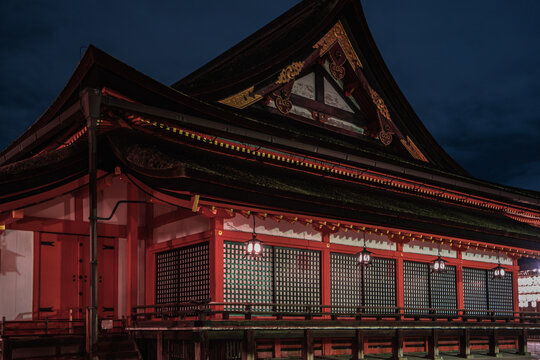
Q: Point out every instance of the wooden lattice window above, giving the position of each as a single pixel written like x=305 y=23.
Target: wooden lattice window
x=248 y=280
x=475 y=290
x=182 y=275
x=443 y=290
x=416 y=287
x=167 y=276
x=425 y=289
x=380 y=285
x=297 y=276
x=500 y=293
x=346 y=282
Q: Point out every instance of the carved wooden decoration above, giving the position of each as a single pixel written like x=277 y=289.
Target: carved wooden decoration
x=290 y=72
x=337 y=35
x=413 y=149
x=241 y=100
x=282 y=98
x=336 y=65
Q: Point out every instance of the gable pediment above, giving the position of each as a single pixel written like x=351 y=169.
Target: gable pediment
x=328 y=88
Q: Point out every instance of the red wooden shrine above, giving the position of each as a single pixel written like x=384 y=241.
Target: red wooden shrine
x=298 y=138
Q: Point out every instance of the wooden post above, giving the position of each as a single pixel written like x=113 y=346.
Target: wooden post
x=465 y=344
x=358 y=345
x=522 y=343
x=494 y=344
x=217 y=266
x=159 y=345
x=325 y=273
x=132 y=249
x=398 y=353
x=249 y=346
x=459 y=284
x=400 y=280
x=307 y=346
x=433 y=351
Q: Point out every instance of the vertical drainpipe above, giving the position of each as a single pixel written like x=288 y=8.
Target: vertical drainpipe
x=91 y=103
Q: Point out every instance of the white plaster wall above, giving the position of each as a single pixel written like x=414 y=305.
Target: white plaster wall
x=16 y=274
x=429 y=248
x=333 y=98
x=486 y=256
x=305 y=86
x=189 y=226
x=107 y=199
x=60 y=208
x=373 y=241
x=272 y=227
x=122 y=279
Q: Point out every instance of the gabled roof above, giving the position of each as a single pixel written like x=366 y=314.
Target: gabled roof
x=249 y=68
x=285 y=165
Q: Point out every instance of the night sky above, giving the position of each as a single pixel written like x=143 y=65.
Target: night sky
x=470 y=69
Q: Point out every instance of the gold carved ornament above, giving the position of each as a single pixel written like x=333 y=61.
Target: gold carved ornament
x=242 y=99
x=338 y=35
x=290 y=72
x=413 y=149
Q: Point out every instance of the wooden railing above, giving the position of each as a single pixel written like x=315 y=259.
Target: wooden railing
x=265 y=311
x=54 y=327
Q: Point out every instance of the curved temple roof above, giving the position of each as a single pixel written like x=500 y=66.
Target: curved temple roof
x=387 y=171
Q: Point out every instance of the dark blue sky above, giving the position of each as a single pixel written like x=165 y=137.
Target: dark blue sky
x=470 y=69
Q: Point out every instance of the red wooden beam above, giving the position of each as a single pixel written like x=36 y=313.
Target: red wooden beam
x=170 y=217
x=32 y=223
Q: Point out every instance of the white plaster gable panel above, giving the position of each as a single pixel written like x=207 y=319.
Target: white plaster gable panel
x=305 y=86
x=272 y=227
x=373 y=241
x=16 y=274
x=333 y=98
x=62 y=208
x=486 y=256
x=185 y=227
x=429 y=248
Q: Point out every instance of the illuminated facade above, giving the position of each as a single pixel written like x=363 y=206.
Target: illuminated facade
x=298 y=141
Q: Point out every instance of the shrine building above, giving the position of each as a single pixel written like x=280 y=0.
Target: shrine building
x=282 y=201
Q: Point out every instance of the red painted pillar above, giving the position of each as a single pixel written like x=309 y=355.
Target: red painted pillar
x=150 y=266
x=459 y=281
x=325 y=268
x=326 y=285
x=400 y=288
x=132 y=248
x=36 y=281
x=515 y=289
x=217 y=261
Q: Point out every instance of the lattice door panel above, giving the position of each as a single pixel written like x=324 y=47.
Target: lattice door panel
x=167 y=277
x=500 y=293
x=475 y=290
x=182 y=275
x=346 y=282
x=248 y=280
x=380 y=285
x=297 y=277
x=443 y=290
x=416 y=287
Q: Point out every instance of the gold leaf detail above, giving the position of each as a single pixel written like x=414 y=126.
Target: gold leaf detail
x=338 y=34
x=413 y=149
x=290 y=72
x=241 y=100
x=379 y=103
